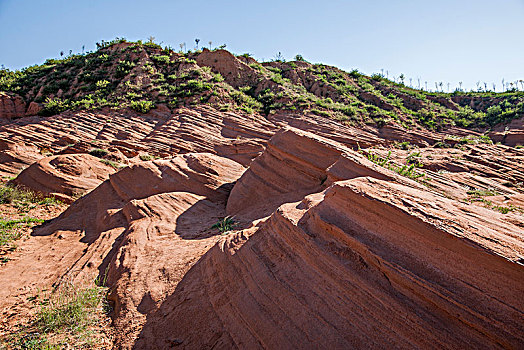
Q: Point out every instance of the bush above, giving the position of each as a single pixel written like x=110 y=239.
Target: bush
x=161 y=59
x=145 y=157
x=142 y=106
x=53 y=106
x=98 y=152
x=299 y=58
x=11 y=194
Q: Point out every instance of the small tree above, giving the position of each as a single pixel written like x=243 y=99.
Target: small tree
x=299 y=58
x=279 y=57
x=197 y=41
x=210 y=43
x=61 y=53
x=151 y=39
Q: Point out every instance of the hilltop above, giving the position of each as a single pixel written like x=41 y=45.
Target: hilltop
x=140 y=76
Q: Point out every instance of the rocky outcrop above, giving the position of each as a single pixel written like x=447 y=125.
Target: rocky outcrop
x=367 y=264
x=66 y=177
x=297 y=163
x=510 y=134
x=141 y=230
x=235 y=71
x=329 y=248
x=181 y=131
x=11 y=106
x=33 y=109
x=15 y=156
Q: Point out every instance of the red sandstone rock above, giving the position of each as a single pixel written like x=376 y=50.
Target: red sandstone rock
x=65 y=177
x=11 y=106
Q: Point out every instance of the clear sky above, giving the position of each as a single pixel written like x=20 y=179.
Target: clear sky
x=447 y=40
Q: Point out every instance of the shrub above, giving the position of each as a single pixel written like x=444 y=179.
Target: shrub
x=300 y=58
x=101 y=84
x=53 y=106
x=10 y=194
x=98 y=152
x=161 y=59
x=111 y=163
x=123 y=68
x=142 y=106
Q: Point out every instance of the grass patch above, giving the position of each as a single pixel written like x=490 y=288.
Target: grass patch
x=407 y=170
x=68 y=318
x=482 y=193
x=145 y=157
x=22 y=199
x=500 y=208
x=111 y=163
x=9 y=232
x=12 y=194
x=225 y=225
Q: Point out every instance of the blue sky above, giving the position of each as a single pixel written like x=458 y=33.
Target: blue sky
x=448 y=41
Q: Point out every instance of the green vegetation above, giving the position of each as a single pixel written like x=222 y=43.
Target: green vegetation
x=71 y=315
x=225 y=225
x=98 y=152
x=145 y=157
x=8 y=229
x=476 y=195
x=482 y=193
x=142 y=106
x=407 y=170
x=10 y=194
x=143 y=75
x=22 y=199
x=111 y=163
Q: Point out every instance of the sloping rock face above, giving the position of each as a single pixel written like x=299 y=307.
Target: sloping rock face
x=15 y=156
x=65 y=177
x=331 y=250
x=511 y=134
x=161 y=134
x=140 y=231
x=297 y=163
x=366 y=264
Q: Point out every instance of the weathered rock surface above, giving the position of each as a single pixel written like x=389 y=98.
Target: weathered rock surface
x=183 y=131
x=295 y=163
x=331 y=249
x=141 y=230
x=65 y=177
x=11 y=106
x=367 y=264
x=511 y=134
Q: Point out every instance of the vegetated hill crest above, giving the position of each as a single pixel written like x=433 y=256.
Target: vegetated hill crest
x=141 y=76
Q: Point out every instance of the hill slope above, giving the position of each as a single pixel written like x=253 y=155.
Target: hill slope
x=141 y=75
